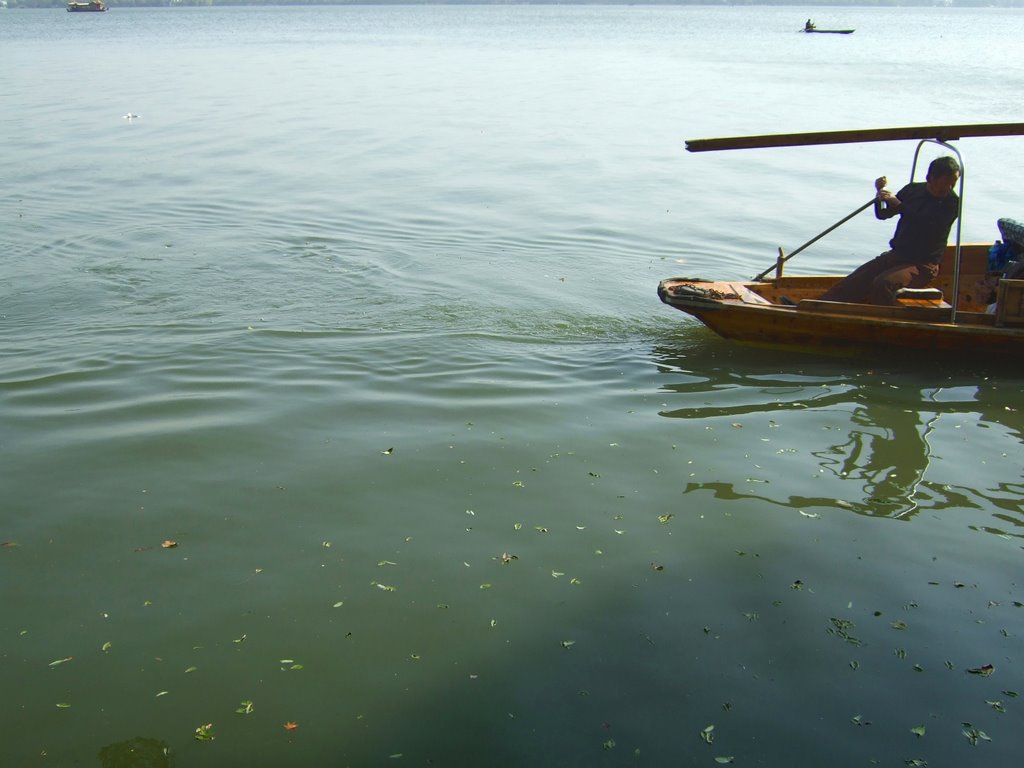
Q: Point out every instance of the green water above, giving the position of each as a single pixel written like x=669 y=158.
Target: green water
x=335 y=390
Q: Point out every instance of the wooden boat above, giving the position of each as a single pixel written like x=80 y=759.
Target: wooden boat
x=95 y=6
x=954 y=315
x=815 y=30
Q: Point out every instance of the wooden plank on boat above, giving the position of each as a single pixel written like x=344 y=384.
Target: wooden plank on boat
x=940 y=132
x=874 y=311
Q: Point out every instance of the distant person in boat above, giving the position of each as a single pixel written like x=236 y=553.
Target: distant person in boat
x=809 y=26
x=927 y=210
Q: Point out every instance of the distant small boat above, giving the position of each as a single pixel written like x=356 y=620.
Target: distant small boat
x=95 y=6
x=828 y=31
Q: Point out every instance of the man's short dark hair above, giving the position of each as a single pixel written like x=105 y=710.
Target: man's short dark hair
x=943 y=166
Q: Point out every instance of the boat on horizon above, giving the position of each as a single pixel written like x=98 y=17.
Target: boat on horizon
x=967 y=310
x=93 y=6
x=810 y=27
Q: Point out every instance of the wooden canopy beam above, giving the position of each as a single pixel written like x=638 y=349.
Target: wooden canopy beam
x=940 y=132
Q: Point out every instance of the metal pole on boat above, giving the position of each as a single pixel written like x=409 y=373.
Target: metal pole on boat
x=778 y=264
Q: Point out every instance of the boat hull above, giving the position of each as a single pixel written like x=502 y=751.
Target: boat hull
x=787 y=312
x=842 y=334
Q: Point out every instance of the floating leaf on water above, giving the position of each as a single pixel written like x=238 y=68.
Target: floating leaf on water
x=708 y=734
x=568 y=643
x=898 y=625
x=854 y=665
x=901 y=653
x=540 y=528
x=382 y=563
x=290 y=726
x=556 y=574
x=162 y=693
x=295 y=666
x=752 y=616
x=58 y=662
x=442 y=605
x=727 y=706
x=593 y=474
x=916 y=763
x=918 y=731
x=106 y=646
x=1011 y=694
x=506 y=558
x=326 y=544
x=841 y=628
x=974 y=735
x=168 y=544
x=287 y=661
x=494 y=622
x=657 y=567
x=517 y=526
x=518 y=483
x=665 y=518
x=985 y=670
x=918 y=668
x=395 y=756
x=610 y=744
x=619 y=532
x=724 y=760
x=386 y=587
x=996 y=705
x=415 y=656
x=485 y=585
x=191 y=669
x=338 y=604
x=63 y=705
x=388 y=452
x=574 y=580
x=204 y=732
x=245 y=708
x=812 y=515
x=147 y=603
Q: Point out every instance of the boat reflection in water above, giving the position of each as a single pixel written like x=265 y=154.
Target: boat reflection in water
x=879 y=444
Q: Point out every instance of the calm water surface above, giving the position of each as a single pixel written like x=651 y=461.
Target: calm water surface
x=359 y=312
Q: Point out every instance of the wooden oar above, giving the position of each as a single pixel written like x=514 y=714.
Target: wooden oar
x=783 y=259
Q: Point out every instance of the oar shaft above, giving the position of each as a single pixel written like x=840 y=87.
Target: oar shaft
x=816 y=238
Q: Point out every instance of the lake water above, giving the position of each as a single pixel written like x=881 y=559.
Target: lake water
x=359 y=312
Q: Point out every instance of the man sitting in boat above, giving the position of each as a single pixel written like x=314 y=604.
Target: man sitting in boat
x=927 y=211
x=809 y=26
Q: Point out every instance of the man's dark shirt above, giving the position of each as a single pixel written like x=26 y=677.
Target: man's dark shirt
x=923 y=229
